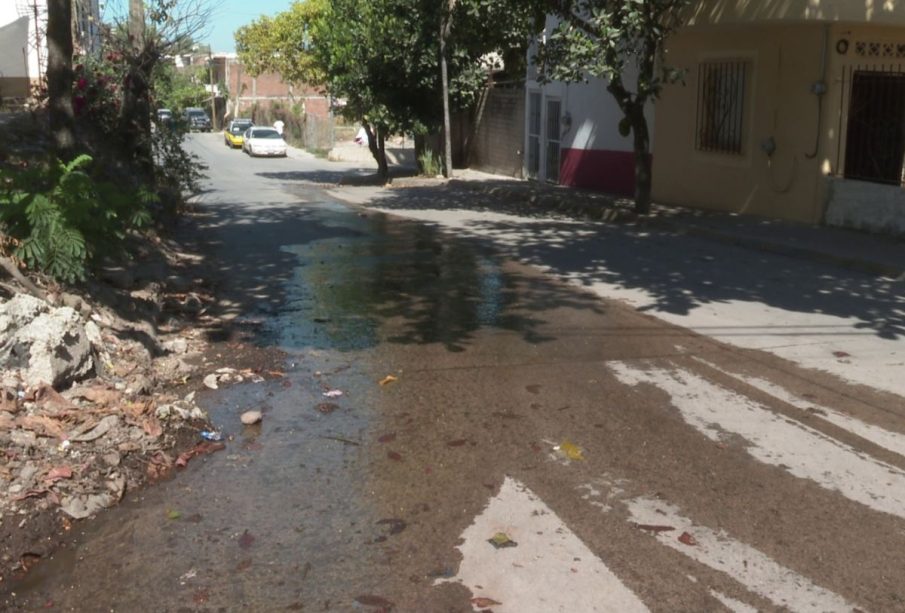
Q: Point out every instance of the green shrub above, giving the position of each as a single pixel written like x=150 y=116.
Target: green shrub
x=429 y=163
x=59 y=218
x=176 y=169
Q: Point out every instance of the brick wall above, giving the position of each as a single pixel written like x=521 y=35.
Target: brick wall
x=266 y=89
x=497 y=139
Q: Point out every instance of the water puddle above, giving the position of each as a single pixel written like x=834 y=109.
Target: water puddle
x=288 y=515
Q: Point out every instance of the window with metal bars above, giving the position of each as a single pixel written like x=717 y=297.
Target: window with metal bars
x=721 y=106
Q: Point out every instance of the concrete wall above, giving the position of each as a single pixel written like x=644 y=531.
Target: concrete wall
x=783 y=62
x=594 y=155
x=246 y=91
x=30 y=55
x=497 y=142
x=14 y=81
x=866 y=206
x=15 y=87
x=11 y=10
x=722 y=12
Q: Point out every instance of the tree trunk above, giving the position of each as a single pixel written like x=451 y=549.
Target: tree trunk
x=383 y=168
x=377 y=146
x=136 y=111
x=445 y=26
x=59 y=75
x=643 y=174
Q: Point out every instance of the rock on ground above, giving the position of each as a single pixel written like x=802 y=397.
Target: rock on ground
x=46 y=344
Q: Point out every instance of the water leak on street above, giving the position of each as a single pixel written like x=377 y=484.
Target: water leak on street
x=287 y=516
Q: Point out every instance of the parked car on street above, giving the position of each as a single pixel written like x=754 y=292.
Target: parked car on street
x=197 y=119
x=263 y=141
x=234 y=134
x=164 y=116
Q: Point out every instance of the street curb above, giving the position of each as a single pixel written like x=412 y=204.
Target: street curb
x=859 y=265
x=546 y=199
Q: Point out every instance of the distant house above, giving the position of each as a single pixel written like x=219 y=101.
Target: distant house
x=792 y=109
x=23 y=42
x=247 y=92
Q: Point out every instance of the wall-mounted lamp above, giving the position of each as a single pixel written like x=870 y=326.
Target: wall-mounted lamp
x=566 y=121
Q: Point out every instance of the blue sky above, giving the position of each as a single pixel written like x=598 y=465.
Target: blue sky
x=229 y=15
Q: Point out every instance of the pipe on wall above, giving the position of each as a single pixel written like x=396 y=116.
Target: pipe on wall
x=818 y=88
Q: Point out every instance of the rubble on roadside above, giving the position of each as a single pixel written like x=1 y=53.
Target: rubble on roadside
x=83 y=414
x=97 y=391
x=42 y=344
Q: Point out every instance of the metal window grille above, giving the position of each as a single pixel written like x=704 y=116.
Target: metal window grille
x=721 y=106
x=873 y=105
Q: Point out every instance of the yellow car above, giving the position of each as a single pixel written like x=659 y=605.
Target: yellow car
x=233 y=134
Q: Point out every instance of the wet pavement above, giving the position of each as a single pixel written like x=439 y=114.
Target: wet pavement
x=702 y=478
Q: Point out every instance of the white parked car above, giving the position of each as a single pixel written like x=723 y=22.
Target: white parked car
x=263 y=141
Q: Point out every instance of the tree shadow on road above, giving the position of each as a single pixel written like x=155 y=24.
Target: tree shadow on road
x=349 y=175
x=667 y=272
x=324 y=275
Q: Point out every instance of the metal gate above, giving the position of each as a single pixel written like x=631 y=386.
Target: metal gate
x=875 y=125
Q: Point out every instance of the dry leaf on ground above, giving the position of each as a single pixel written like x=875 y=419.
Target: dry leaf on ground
x=42 y=425
x=56 y=473
x=484 y=602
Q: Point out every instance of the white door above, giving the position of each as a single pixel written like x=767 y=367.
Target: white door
x=533 y=158
x=552 y=137
x=543 y=138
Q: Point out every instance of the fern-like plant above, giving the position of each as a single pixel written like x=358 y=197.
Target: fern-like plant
x=60 y=217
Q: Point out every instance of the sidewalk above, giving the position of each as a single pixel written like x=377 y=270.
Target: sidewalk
x=860 y=251
x=822 y=298
x=872 y=254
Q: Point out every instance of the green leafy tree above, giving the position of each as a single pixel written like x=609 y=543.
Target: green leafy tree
x=382 y=59
x=474 y=28
x=178 y=89
x=609 y=39
x=140 y=38
x=282 y=44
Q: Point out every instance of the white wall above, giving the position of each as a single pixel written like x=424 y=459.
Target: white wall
x=866 y=206
x=10 y=10
x=13 y=42
x=593 y=111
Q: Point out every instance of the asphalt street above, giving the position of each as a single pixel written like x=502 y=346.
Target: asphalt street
x=503 y=439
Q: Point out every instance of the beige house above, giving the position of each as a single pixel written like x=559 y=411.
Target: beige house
x=791 y=108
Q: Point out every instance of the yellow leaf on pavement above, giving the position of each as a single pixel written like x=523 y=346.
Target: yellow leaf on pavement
x=571 y=451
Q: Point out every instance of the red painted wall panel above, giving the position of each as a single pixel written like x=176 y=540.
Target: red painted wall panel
x=605 y=171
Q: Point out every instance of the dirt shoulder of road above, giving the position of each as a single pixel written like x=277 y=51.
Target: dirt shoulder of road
x=69 y=451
